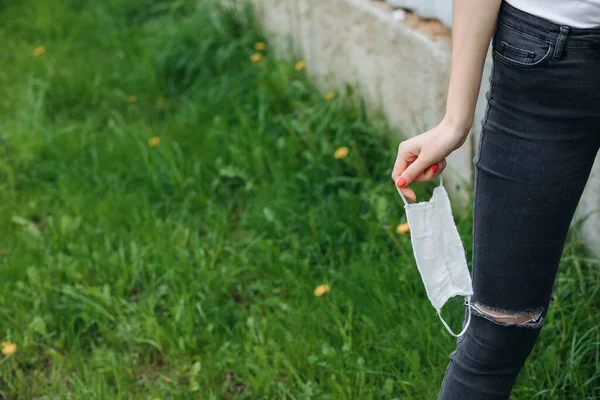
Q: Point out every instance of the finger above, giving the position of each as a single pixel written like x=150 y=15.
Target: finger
x=414 y=170
x=427 y=174
x=406 y=155
x=399 y=167
x=442 y=167
x=409 y=193
x=431 y=172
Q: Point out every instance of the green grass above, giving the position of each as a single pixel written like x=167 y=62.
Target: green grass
x=187 y=270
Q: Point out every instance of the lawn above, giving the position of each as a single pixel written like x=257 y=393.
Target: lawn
x=171 y=196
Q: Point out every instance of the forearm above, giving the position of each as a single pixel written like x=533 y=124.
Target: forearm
x=473 y=23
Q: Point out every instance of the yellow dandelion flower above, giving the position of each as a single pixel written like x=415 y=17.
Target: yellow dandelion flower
x=329 y=96
x=256 y=57
x=402 y=228
x=154 y=141
x=340 y=153
x=132 y=99
x=259 y=46
x=300 y=65
x=8 y=348
x=38 y=51
x=321 y=290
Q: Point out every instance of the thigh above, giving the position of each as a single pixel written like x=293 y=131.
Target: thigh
x=538 y=145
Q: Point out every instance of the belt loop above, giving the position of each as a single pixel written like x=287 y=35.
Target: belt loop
x=560 y=42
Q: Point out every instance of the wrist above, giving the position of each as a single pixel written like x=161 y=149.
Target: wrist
x=458 y=127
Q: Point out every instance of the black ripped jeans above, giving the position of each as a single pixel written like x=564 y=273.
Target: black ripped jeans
x=539 y=139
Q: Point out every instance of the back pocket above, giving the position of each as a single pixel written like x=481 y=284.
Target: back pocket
x=519 y=49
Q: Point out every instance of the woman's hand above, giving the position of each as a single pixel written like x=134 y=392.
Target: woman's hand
x=423 y=157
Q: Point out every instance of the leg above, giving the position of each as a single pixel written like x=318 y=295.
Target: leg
x=537 y=148
x=524 y=204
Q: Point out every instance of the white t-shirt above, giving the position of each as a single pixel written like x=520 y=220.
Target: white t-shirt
x=575 y=13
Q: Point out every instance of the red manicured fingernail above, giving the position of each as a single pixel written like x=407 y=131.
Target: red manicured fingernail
x=435 y=168
x=401 y=182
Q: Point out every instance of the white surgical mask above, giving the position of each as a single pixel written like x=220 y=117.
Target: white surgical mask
x=438 y=251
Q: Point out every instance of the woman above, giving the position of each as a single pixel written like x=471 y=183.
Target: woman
x=539 y=139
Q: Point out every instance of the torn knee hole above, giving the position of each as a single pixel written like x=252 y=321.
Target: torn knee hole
x=528 y=318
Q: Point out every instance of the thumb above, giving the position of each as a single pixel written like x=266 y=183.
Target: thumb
x=415 y=169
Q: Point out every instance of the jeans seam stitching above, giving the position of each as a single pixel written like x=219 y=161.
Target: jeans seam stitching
x=524 y=33
x=478 y=156
x=508 y=61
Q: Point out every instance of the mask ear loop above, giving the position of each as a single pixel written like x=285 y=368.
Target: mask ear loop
x=401 y=195
x=468 y=304
x=404 y=198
